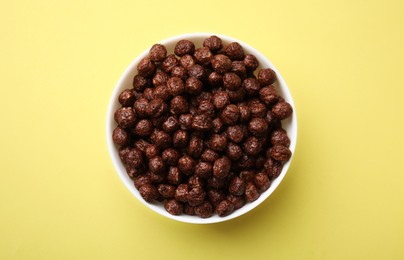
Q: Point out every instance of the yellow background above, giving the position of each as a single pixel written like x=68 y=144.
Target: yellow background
x=342 y=198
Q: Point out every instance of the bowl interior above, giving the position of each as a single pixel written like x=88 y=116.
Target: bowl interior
x=125 y=82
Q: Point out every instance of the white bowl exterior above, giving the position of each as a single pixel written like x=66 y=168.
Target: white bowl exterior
x=125 y=82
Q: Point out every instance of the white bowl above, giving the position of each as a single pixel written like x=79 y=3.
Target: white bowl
x=125 y=82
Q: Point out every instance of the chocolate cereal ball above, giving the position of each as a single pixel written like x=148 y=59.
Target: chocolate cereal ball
x=238 y=201
x=215 y=79
x=282 y=110
x=151 y=151
x=209 y=155
x=234 y=51
x=180 y=72
x=193 y=86
x=197 y=71
x=251 y=192
x=127 y=98
x=173 y=207
x=166 y=191
x=252 y=146
x=218 y=143
x=181 y=193
x=236 y=95
x=206 y=108
x=203 y=56
x=141 y=106
x=187 y=61
x=221 y=167
x=141 y=144
x=169 y=63
x=220 y=99
x=160 y=78
x=186 y=164
x=161 y=139
x=280 y=137
x=170 y=156
x=146 y=67
x=231 y=81
x=161 y=92
x=157 y=52
x=171 y=124
x=156 y=165
x=251 y=86
x=234 y=152
x=225 y=208
x=185 y=121
x=184 y=47
x=174 y=176
x=262 y=181
x=156 y=108
x=235 y=133
x=250 y=62
x=221 y=63
x=237 y=186
x=215 y=196
x=258 y=126
x=203 y=169
x=245 y=112
x=144 y=127
x=217 y=125
x=247 y=176
x=180 y=139
x=148 y=94
x=214 y=43
x=195 y=147
x=204 y=210
x=257 y=109
x=175 y=86
x=202 y=123
x=238 y=67
x=268 y=95
x=123 y=152
x=148 y=192
x=141 y=180
x=120 y=136
x=266 y=76
x=140 y=83
x=280 y=153
x=196 y=196
x=125 y=117
x=178 y=105
x=195 y=181
x=230 y=114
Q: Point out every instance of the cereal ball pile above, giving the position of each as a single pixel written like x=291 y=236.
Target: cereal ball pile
x=200 y=131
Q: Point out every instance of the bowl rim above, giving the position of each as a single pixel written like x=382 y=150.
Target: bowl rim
x=130 y=71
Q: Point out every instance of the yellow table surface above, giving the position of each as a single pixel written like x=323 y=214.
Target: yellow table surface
x=343 y=197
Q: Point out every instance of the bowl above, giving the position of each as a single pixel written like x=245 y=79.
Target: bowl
x=125 y=82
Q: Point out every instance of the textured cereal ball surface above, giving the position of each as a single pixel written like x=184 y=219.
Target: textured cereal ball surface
x=266 y=76
x=173 y=207
x=157 y=52
x=282 y=110
x=120 y=136
x=214 y=43
x=146 y=67
x=127 y=98
x=148 y=192
x=184 y=47
x=221 y=63
x=225 y=208
x=125 y=117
